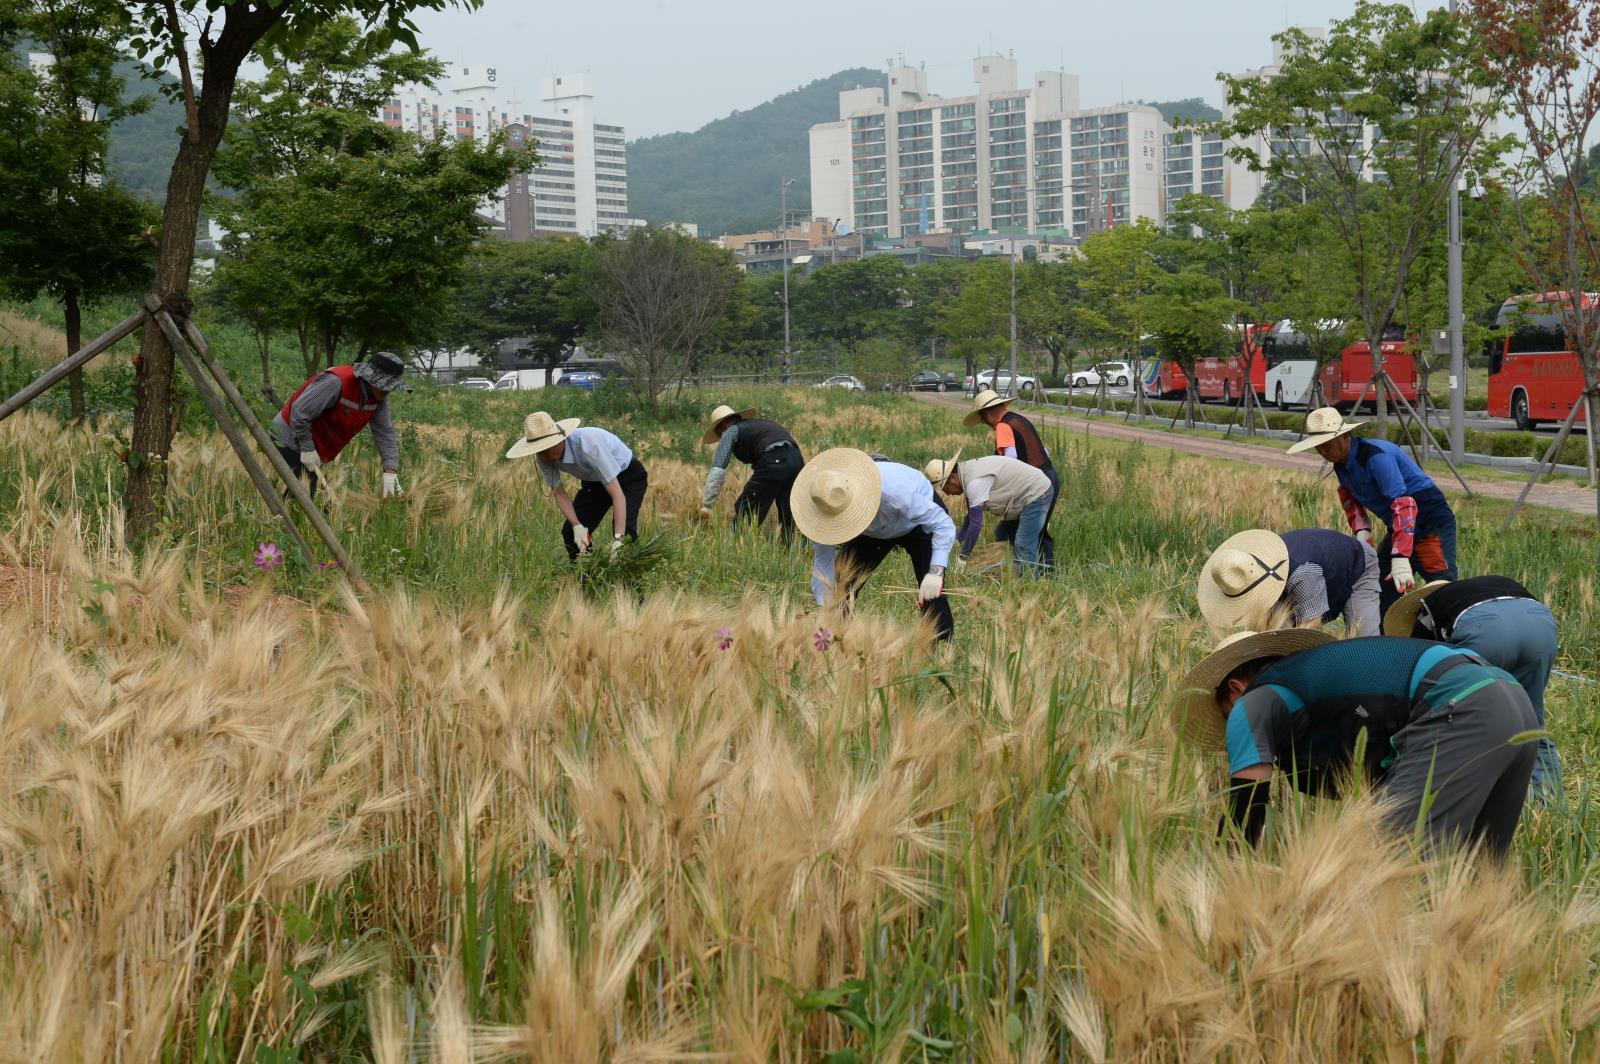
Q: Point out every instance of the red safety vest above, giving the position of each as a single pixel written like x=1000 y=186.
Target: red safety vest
x=336 y=428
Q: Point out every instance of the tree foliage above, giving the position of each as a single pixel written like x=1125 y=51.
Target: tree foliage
x=532 y=292
x=67 y=229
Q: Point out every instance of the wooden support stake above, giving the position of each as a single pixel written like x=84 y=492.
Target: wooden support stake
x=77 y=360
x=219 y=413
x=1395 y=389
x=1548 y=459
x=297 y=490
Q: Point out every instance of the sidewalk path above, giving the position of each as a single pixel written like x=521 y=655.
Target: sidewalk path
x=1552 y=496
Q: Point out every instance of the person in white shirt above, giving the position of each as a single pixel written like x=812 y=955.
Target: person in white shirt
x=856 y=511
x=609 y=475
x=1016 y=493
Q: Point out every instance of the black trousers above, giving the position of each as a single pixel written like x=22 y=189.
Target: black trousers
x=593 y=502
x=771 y=479
x=860 y=558
x=292 y=456
x=1006 y=531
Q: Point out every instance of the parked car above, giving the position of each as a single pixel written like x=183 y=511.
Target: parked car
x=1116 y=374
x=928 y=381
x=478 y=384
x=587 y=379
x=1000 y=381
x=842 y=380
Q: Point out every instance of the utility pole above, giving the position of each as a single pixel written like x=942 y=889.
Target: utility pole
x=783 y=235
x=1011 y=386
x=1458 y=357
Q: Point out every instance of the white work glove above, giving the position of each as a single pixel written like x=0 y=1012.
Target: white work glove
x=616 y=545
x=310 y=461
x=1400 y=572
x=391 y=485
x=1365 y=536
x=932 y=587
x=580 y=536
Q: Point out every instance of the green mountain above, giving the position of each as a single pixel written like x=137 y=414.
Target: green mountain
x=724 y=176
x=1194 y=109
x=143 y=146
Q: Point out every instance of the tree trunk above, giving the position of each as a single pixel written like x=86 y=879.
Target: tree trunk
x=74 y=316
x=1380 y=393
x=263 y=344
x=153 y=373
x=1590 y=426
x=1188 y=404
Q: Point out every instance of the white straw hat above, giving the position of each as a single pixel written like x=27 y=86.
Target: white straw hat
x=1323 y=424
x=1401 y=618
x=1243 y=578
x=983 y=401
x=938 y=471
x=1199 y=718
x=540 y=431
x=721 y=414
x=836 y=496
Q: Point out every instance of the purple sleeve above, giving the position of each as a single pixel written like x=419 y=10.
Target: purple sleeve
x=971 y=529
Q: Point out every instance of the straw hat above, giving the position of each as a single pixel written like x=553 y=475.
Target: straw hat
x=836 y=496
x=938 y=471
x=719 y=415
x=1402 y=616
x=1195 y=705
x=1323 y=424
x=1243 y=578
x=984 y=400
x=540 y=431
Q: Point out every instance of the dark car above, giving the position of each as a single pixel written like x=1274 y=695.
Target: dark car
x=587 y=379
x=927 y=381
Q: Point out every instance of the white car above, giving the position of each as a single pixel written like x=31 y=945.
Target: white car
x=478 y=384
x=842 y=380
x=1000 y=381
x=1116 y=374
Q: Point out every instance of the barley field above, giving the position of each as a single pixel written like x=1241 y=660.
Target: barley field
x=493 y=812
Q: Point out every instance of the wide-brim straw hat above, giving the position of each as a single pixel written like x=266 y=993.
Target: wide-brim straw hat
x=1402 y=616
x=1243 y=578
x=1195 y=708
x=836 y=496
x=983 y=401
x=938 y=471
x=1323 y=424
x=540 y=431
x=719 y=415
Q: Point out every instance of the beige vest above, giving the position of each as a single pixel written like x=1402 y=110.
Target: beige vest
x=1016 y=484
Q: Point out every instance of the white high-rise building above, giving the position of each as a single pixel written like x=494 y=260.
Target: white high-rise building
x=580 y=187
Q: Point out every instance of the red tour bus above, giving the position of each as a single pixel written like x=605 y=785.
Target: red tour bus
x=1533 y=378
x=1223 y=378
x=1164 y=378
x=1345 y=379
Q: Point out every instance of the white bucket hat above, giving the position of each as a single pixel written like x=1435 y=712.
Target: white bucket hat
x=836 y=496
x=1199 y=718
x=718 y=416
x=1401 y=618
x=1323 y=424
x=938 y=471
x=1243 y=578
x=983 y=401
x=540 y=431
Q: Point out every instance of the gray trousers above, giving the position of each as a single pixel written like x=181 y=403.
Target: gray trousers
x=1361 y=613
x=1519 y=636
x=1457 y=770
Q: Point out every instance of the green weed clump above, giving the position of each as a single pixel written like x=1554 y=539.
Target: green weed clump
x=505 y=808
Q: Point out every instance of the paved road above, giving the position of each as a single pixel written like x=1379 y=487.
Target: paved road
x=1553 y=496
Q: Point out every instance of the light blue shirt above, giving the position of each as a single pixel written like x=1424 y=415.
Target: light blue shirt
x=592 y=455
x=907 y=504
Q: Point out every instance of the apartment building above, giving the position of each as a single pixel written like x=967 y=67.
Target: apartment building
x=1193 y=163
x=580 y=187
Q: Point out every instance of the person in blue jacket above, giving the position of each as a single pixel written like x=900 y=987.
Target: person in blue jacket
x=1379 y=478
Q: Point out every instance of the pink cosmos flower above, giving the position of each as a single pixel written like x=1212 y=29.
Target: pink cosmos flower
x=724 y=638
x=822 y=639
x=268 y=557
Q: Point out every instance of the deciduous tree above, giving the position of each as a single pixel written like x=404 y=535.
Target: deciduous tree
x=532 y=291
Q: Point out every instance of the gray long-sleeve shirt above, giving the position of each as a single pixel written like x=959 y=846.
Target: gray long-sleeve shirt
x=319 y=398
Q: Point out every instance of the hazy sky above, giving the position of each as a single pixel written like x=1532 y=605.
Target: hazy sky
x=665 y=65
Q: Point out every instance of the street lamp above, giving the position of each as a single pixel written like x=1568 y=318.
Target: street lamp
x=1012 y=383
x=783 y=236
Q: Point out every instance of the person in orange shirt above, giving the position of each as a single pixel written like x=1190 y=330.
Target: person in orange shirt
x=1015 y=437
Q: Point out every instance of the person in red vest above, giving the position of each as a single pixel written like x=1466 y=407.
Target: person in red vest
x=329 y=410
